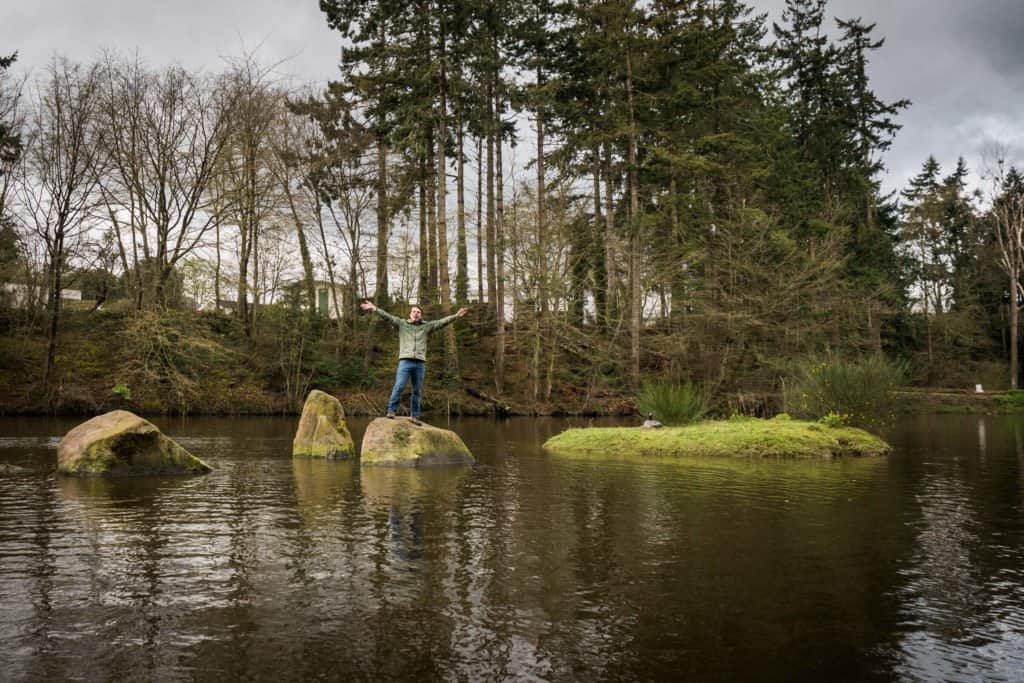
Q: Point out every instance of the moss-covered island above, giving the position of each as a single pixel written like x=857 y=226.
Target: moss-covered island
x=750 y=438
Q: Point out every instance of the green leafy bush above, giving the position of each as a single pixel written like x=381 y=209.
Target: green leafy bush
x=1010 y=402
x=123 y=390
x=673 y=404
x=834 y=419
x=329 y=375
x=860 y=391
x=170 y=360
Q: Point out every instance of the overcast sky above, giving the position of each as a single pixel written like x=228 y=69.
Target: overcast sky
x=959 y=61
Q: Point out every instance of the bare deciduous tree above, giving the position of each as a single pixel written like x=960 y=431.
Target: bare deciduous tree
x=165 y=134
x=247 y=162
x=58 y=176
x=1006 y=187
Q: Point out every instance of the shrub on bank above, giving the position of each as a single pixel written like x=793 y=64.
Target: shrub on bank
x=1010 y=402
x=861 y=391
x=673 y=404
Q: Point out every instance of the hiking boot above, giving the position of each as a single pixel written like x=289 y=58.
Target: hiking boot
x=390 y=416
x=415 y=421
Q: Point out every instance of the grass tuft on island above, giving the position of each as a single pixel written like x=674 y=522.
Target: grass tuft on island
x=743 y=437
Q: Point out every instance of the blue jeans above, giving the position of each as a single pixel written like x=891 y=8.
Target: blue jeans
x=408 y=368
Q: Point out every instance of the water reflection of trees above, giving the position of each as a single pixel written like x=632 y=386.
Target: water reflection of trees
x=526 y=565
x=960 y=596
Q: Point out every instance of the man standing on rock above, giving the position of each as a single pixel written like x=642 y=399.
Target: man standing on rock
x=412 y=353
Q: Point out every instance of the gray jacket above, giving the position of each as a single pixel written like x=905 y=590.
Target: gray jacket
x=412 y=337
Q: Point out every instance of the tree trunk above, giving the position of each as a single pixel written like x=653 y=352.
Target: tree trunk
x=307 y=261
x=53 y=305
x=492 y=286
x=541 y=306
x=600 y=286
x=479 y=220
x=444 y=281
x=424 y=272
x=257 y=290
x=382 y=294
x=677 y=274
x=636 y=302
x=1014 y=314
x=611 y=276
x=331 y=280
x=542 y=293
x=499 y=247
x=432 y=201
x=242 y=302
x=140 y=285
x=462 y=257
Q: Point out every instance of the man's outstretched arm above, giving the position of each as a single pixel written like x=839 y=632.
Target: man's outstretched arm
x=370 y=306
x=437 y=324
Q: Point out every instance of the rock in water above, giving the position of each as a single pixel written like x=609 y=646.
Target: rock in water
x=121 y=443
x=322 y=430
x=400 y=443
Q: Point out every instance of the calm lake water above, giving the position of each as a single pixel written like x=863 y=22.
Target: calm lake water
x=526 y=566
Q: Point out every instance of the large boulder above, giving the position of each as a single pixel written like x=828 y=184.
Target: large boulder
x=322 y=430
x=121 y=443
x=399 y=442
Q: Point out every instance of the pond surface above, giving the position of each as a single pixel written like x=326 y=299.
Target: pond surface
x=526 y=566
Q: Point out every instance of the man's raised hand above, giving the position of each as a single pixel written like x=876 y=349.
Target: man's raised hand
x=461 y=312
x=368 y=306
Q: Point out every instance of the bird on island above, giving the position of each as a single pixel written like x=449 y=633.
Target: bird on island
x=651 y=423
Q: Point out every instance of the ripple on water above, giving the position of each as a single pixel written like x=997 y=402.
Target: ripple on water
x=525 y=566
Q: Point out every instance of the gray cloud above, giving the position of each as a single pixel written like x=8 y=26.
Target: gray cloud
x=993 y=28
x=195 y=33
x=959 y=62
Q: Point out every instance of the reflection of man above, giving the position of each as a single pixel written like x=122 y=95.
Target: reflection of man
x=412 y=353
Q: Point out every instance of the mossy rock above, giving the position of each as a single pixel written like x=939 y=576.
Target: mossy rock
x=322 y=431
x=399 y=442
x=750 y=438
x=119 y=444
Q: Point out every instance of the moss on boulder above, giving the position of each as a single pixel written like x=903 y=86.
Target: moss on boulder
x=322 y=431
x=401 y=443
x=750 y=438
x=120 y=443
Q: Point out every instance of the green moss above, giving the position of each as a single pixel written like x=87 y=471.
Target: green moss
x=398 y=443
x=97 y=458
x=748 y=438
x=322 y=431
x=122 y=444
x=325 y=450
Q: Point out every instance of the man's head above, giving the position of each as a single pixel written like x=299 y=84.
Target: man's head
x=415 y=314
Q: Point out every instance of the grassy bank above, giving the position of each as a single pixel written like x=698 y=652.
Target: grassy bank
x=179 y=363
x=750 y=438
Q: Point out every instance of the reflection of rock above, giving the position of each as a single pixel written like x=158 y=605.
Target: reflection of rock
x=322 y=430
x=383 y=486
x=120 y=443
x=101 y=491
x=319 y=483
x=400 y=443
x=12 y=469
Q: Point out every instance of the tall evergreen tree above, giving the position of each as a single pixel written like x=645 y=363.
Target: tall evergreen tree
x=10 y=139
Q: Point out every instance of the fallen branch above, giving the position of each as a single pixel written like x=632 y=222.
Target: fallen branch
x=500 y=408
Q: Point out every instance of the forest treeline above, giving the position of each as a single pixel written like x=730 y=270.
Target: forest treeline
x=622 y=191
